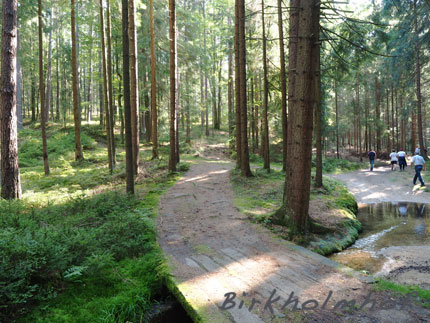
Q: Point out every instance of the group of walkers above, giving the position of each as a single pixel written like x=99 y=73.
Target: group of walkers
x=399 y=158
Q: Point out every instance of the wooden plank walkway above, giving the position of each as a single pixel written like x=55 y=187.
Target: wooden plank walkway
x=215 y=253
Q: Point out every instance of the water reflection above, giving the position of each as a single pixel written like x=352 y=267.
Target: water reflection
x=386 y=225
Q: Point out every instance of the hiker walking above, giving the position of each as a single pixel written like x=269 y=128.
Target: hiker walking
x=402 y=159
x=372 y=156
x=420 y=164
x=393 y=157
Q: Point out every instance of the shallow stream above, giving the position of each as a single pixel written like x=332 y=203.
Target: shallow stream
x=394 y=235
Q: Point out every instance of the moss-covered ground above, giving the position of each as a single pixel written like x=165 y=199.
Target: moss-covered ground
x=332 y=208
x=76 y=248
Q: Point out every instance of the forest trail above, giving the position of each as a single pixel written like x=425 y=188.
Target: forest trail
x=212 y=250
x=384 y=185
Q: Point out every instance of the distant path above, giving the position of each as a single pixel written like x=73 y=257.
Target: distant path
x=384 y=185
x=212 y=250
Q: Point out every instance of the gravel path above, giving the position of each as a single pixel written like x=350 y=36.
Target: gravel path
x=384 y=185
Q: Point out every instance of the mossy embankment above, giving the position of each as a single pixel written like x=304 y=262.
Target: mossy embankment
x=332 y=208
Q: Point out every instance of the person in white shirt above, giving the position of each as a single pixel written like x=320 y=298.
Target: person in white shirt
x=417 y=151
x=393 y=157
x=402 y=159
x=420 y=164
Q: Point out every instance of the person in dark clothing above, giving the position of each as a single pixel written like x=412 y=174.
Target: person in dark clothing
x=402 y=159
x=372 y=156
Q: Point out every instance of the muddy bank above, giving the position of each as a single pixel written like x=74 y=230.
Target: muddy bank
x=408 y=265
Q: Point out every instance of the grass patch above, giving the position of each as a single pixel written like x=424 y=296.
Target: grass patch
x=423 y=294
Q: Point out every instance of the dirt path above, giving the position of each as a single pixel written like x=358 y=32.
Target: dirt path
x=384 y=185
x=212 y=250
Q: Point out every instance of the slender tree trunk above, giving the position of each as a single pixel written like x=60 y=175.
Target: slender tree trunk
x=172 y=42
x=237 y=85
x=378 y=116
x=10 y=178
x=101 y=92
x=49 y=77
x=42 y=92
x=110 y=86
x=19 y=87
x=283 y=86
x=245 y=168
x=337 y=118
x=133 y=84
x=317 y=107
x=418 y=82
x=105 y=90
x=154 y=114
x=366 y=107
x=265 y=134
x=230 y=95
x=57 y=105
x=76 y=110
x=90 y=72
x=127 y=108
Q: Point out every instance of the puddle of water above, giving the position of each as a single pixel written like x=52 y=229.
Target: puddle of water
x=386 y=225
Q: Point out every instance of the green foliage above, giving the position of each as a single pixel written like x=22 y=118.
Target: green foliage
x=334 y=165
x=423 y=294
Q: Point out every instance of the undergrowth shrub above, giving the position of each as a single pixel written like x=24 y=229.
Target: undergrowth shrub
x=42 y=251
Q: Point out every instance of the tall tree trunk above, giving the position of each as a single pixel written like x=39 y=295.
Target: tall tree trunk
x=133 y=83
x=230 y=95
x=283 y=86
x=127 y=108
x=418 y=82
x=378 y=116
x=10 y=178
x=237 y=85
x=336 y=103
x=318 y=108
x=265 y=134
x=298 y=175
x=172 y=42
x=90 y=72
x=110 y=86
x=76 y=110
x=245 y=168
x=57 y=105
x=101 y=91
x=49 y=76
x=154 y=114
x=19 y=87
x=205 y=73
x=42 y=92
x=366 y=116
x=105 y=90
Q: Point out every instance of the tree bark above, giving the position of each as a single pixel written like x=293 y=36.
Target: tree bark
x=49 y=77
x=42 y=92
x=133 y=83
x=418 y=82
x=154 y=114
x=76 y=110
x=110 y=86
x=105 y=90
x=244 y=158
x=283 y=86
x=10 y=178
x=127 y=109
x=172 y=57
x=301 y=106
x=265 y=132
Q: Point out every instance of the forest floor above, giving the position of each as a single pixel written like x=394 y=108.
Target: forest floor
x=213 y=249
